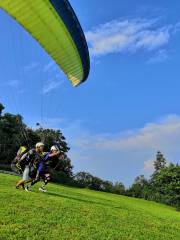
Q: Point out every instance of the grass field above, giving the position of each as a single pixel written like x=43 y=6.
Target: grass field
x=71 y=213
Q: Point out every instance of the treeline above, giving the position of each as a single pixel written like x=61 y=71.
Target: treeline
x=86 y=180
x=163 y=185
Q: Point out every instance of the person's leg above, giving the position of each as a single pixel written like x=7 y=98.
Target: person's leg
x=32 y=175
x=27 y=178
x=30 y=180
x=27 y=187
x=20 y=184
x=39 y=174
x=46 y=179
x=24 y=179
x=37 y=179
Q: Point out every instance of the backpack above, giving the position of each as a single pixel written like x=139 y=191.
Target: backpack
x=14 y=164
x=22 y=150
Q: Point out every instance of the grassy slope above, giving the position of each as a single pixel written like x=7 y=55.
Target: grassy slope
x=71 y=213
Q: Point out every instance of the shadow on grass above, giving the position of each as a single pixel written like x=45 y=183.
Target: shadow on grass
x=83 y=200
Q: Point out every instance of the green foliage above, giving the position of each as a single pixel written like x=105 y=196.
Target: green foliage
x=11 y=136
x=62 y=172
x=83 y=179
x=119 y=188
x=86 y=180
x=166 y=185
x=138 y=187
x=71 y=213
x=1 y=108
x=52 y=137
x=159 y=163
x=163 y=186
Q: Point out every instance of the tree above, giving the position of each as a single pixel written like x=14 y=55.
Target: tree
x=166 y=185
x=83 y=179
x=52 y=137
x=65 y=166
x=1 y=109
x=138 y=187
x=160 y=162
x=62 y=171
x=12 y=136
x=119 y=188
x=107 y=186
x=96 y=184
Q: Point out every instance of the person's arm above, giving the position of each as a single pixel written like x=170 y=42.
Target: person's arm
x=26 y=155
x=23 y=157
x=54 y=154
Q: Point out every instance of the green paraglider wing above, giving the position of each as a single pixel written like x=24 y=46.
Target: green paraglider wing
x=55 y=26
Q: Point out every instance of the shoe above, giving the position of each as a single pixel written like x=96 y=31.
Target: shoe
x=28 y=189
x=41 y=189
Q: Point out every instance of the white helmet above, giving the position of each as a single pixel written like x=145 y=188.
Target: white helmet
x=54 y=148
x=39 y=144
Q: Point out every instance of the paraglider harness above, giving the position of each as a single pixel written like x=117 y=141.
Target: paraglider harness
x=32 y=159
x=44 y=169
x=26 y=157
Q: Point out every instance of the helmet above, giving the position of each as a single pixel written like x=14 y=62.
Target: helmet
x=39 y=144
x=54 y=148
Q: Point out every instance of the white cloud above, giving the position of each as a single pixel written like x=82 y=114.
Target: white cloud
x=51 y=72
x=149 y=166
x=161 y=56
x=55 y=77
x=128 y=36
x=44 y=68
x=15 y=85
x=153 y=39
x=51 y=85
x=50 y=67
x=31 y=66
x=160 y=135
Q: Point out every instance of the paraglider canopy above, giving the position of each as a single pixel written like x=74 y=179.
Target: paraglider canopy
x=55 y=26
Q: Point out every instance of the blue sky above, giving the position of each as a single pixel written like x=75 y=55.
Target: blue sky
x=129 y=107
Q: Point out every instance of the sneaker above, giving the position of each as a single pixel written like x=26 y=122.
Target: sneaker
x=41 y=189
x=28 y=189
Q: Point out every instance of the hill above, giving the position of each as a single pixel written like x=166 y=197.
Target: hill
x=72 y=213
